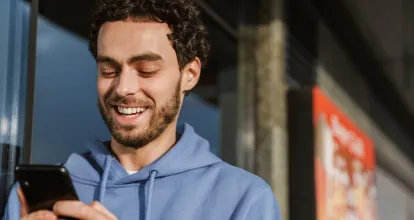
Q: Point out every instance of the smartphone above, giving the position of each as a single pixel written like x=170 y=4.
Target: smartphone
x=43 y=185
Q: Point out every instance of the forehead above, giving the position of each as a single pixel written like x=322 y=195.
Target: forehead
x=128 y=38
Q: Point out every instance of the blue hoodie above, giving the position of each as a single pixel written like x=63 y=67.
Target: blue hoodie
x=186 y=183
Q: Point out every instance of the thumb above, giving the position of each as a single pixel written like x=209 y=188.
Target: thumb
x=24 y=209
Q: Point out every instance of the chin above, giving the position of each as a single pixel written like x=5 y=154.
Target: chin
x=132 y=131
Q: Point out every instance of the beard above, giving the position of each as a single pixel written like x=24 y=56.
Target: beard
x=161 y=118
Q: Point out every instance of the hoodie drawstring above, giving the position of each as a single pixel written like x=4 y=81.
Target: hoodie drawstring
x=153 y=174
x=149 y=198
x=108 y=161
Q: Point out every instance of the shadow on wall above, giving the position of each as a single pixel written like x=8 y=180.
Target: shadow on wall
x=66 y=116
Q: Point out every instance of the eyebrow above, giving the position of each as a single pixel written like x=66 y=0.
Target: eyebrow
x=106 y=59
x=141 y=57
x=145 y=57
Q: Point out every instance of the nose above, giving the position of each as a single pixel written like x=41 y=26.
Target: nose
x=128 y=83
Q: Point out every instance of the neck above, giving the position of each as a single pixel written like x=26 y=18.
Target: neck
x=136 y=159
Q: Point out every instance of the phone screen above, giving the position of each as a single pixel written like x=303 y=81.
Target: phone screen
x=43 y=185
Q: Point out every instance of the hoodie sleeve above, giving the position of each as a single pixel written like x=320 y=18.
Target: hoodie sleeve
x=264 y=207
x=12 y=211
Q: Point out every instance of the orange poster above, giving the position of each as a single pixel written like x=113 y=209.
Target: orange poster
x=344 y=165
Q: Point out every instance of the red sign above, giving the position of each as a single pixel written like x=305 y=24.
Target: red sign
x=344 y=165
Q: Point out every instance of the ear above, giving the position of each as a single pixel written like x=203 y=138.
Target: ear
x=191 y=75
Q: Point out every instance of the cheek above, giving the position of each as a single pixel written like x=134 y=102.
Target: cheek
x=160 y=89
x=103 y=86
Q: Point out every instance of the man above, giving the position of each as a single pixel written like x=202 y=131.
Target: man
x=149 y=55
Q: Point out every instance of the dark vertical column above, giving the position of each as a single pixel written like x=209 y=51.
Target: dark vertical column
x=31 y=69
x=302 y=26
x=301 y=155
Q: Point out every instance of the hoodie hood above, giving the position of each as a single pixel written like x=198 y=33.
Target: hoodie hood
x=190 y=152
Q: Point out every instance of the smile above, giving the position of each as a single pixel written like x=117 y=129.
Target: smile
x=130 y=112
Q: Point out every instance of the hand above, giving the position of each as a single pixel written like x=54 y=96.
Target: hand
x=82 y=211
x=74 y=209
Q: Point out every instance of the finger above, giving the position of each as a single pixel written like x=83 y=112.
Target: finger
x=40 y=215
x=98 y=206
x=24 y=208
x=78 y=210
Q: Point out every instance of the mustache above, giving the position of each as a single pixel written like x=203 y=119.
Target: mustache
x=129 y=100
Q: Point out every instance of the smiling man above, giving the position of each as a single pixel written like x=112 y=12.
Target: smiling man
x=149 y=55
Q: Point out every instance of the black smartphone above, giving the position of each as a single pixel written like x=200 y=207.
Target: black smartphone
x=43 y=185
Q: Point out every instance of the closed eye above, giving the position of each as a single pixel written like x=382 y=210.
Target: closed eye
x=109 y=74
x=148 y=73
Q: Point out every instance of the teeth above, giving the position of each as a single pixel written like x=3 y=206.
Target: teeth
x=130 y=111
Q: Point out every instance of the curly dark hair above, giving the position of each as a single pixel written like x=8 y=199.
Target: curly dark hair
x=182 y=16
